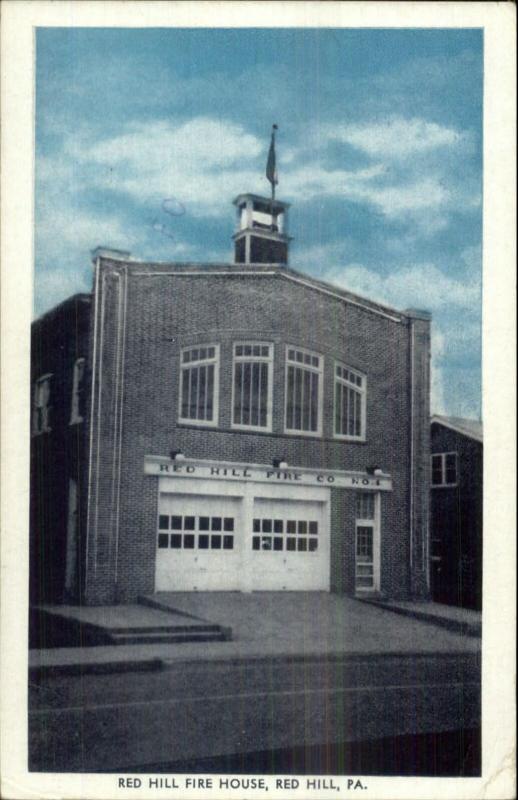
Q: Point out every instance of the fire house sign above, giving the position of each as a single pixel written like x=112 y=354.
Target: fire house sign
x=263 y=473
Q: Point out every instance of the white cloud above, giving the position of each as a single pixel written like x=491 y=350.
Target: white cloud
x=420 y=285
x=397 y=138
x=204 y=161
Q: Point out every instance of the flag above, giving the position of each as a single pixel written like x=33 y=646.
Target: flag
x=271 y=169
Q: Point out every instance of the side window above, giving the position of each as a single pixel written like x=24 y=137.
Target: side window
x=252 y=386
x=350 y=403
x=444 y=469
x=77 y=407
x=41 y=405
x=199 y=379
x=304 y=379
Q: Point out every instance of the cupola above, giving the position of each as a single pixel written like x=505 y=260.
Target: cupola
x=261 y=234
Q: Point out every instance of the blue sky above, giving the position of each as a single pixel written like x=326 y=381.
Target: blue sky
x=379 y=150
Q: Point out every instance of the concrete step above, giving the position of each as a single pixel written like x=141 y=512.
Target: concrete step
x=159 y=629
x=167 y=637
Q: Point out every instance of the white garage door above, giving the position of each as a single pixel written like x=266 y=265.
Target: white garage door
x=199 y=539
x=290 y=545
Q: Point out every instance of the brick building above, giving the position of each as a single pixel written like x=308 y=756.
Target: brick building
x=238 y=426
x=456 y=511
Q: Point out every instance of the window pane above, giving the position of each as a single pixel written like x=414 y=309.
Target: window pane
x=256 y=543
x=257 y=526
x=228 y=524
x=290 y=391
x=313 y=528
x=188 y=523
x=307 y=396
x=314 y=401
x=193 y=398
x=291 y=544
x=163 y=522
x=277 y=543
x=302 y=545
x=176 y=540
x=216 y=524
x=176 y=523
x=163 y=540
x=313 y=545
x=297 y=401
x=255 y=393
x=291 y=526
x=263 y=398
x=267 y=526
x=204 y=523
x=303 y=527
x=186 y=377
x=277 y=526
x=228 y=542
x=209 y=415
x=203 y=541
x=215 y=542
x=188 y=541
x=202 y=393
x=238 y=394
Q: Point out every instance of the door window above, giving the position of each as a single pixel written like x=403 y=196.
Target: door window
x=293 y=535
x=192 y=532
x=364 y=557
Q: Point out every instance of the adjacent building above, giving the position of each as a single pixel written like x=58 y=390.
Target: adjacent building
x=456 y=511
x=238 y=426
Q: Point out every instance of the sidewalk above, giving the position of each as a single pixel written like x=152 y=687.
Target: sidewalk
x=453 y=618
x=270 y=626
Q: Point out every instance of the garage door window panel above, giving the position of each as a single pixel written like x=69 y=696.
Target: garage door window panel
x=199 y=385
x=297 y=535
x=187 y=532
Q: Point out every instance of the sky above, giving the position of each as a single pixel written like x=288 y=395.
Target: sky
x=145 y=136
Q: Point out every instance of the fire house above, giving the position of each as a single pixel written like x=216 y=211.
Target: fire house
x=228 y=426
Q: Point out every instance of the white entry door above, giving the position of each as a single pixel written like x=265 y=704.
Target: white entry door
x=289 y=545
x=199 y=540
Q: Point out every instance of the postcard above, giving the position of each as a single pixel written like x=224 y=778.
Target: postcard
x=258 y=303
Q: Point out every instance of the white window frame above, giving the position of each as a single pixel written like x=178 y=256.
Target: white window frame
x=204 y=423
x=443 y=482
x=269 y=399
x=38 y=429
x=362 y=391
x=320 y=372
x=374 y=523
x=75 y=415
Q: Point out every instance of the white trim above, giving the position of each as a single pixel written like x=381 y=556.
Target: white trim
x=233 y=471
x=284 y=275
x=375 y=524
x=310 y=367
x=269 y=359
x=119 y=455
x=91 y=432
x=75 y=415
x=437 y=420
x=215 y=360
x=362 y=391
x=411 y=476
x=442 y=456
x=330 y=292
x=42 y=380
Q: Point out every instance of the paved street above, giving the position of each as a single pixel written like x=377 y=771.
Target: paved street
x=203 y=704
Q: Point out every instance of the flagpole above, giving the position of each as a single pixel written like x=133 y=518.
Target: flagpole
x=274 y=128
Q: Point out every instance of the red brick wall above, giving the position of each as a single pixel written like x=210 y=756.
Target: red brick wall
x=147 y=319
